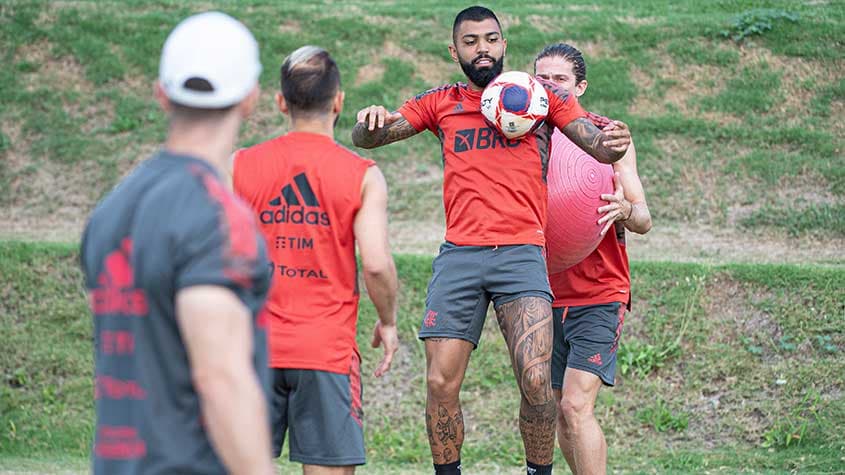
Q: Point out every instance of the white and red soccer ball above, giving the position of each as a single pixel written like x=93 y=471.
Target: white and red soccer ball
x=515 y=103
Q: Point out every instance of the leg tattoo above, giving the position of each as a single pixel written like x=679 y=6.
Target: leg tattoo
x=526 y=324
x=445 y=432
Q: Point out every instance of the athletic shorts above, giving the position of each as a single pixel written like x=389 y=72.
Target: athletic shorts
x=466 y=278
x=322 y=413
x=586 y=338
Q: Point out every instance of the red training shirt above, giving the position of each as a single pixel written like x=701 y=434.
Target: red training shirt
x=305 y=190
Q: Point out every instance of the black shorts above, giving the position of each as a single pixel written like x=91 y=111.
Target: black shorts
x=466 y=278
x=586 y=338
x=322 y=412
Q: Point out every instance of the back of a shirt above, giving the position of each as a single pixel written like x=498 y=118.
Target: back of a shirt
x=305 y=191
x=168 y=226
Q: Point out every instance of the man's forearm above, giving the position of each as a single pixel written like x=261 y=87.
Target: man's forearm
x=235 y=412
x=640 y=220
x=590 y=139
x=363 y=137
x=382 y=287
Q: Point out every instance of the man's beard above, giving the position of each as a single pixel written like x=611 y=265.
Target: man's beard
x=482 y=77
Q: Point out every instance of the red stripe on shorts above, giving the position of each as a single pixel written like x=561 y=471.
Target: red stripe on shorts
x=357 y=410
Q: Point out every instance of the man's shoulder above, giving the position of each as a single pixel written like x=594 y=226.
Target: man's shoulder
x=441 y=91
x=261 y=148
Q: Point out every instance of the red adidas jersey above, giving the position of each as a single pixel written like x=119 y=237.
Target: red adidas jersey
x=305 y=190
x=494 y=189
x=604 y=275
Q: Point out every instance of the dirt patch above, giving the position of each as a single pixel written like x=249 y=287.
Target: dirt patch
x=290 y=26
x=730 y=302
x=796 y=98
x=706 y=192
x=692 y=242
x=266 y=121
x=583 y=8
x=507 y=20
x=670 y=87
x=379 y=20
x=59 y=73
x=637 y=21
x=680 y=83
x=543 y=23
x=433 y=71
x=369 y=73
x=59 y=213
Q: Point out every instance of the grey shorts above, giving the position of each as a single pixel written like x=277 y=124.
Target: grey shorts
x=322 y=413
x=587 y=338
x=466 y=278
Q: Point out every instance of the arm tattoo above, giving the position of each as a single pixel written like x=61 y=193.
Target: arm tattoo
x=365 y=138
x=583 y=133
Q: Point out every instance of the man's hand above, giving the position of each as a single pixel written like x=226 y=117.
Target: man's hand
x=618 y=209
x=617 y=136
x=377 y=126
x=377 y=116
x=387 y=337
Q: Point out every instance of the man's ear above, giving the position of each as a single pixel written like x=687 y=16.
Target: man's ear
x=250 y=102
x=337 y=107
x=454 y=53
x=161 y=97
x=580 y=88
x=282 y=104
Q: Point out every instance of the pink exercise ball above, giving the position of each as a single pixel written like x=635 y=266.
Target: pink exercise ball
x=576 y=182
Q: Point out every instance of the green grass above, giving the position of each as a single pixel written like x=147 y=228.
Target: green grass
x=78 y=87
x=801 y=220
x=751 y=361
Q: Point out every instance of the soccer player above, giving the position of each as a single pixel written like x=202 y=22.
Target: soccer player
x=495 y=197
x=591 y=297
x=176 y=272
x=315 y=200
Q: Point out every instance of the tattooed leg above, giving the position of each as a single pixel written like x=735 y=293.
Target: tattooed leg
x=526 y=324
x=446 y=360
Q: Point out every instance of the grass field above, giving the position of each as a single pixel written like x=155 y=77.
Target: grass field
x=733 y=135
x=730 y=362
x=723 y=369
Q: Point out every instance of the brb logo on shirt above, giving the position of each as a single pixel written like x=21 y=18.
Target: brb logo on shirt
x=292 y=211
x=480 y=139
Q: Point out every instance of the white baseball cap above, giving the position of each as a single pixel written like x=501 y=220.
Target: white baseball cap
x=209 y=61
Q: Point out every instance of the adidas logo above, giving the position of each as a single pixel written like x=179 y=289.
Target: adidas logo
x=458 y=108
x=595 y=359
x=294 y=198
x=116 y=293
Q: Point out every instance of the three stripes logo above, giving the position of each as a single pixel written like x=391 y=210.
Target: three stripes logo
x=293 y=203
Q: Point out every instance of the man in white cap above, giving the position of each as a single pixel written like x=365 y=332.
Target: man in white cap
x=176 y=274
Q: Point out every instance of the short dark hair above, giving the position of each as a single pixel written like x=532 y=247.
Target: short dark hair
x=310 y=79
x=182 y=113
x=473 y=13
x=569 y=53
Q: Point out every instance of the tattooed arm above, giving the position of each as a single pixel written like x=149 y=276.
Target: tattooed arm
x=376 y=127
x=605 y=146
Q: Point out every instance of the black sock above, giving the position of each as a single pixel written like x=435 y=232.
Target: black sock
x=453 y=468
x=534 y=469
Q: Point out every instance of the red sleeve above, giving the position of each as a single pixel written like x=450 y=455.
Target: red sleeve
x=599 y=121
x=561 y=111
x=420 y=111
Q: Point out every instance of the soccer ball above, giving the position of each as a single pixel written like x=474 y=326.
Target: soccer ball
x=515 y=104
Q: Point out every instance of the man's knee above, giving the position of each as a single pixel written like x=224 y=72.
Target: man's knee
x=536 y=384
x=442 y=387
x=574 y=407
